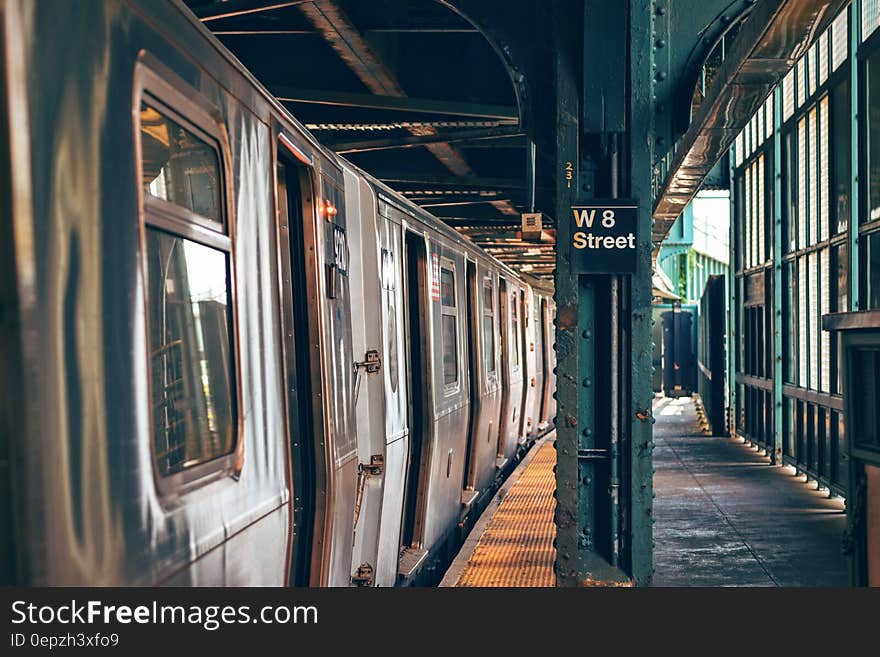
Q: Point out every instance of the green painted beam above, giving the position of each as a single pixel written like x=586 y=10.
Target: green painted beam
x=566 y=296
x=640 y=496
x=855 y=31
x=732 y=339
x=776 y=453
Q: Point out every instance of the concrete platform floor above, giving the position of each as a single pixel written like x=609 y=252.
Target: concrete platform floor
x=726 y=517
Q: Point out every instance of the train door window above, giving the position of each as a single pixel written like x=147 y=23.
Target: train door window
x=515 y=329
x=449 y=323
x=489 y=325
x=538 y=347
x=188 y=261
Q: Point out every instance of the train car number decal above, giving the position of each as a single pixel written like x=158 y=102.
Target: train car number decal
x=340 y=250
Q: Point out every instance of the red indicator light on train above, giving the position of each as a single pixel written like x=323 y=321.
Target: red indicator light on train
x=327 y=209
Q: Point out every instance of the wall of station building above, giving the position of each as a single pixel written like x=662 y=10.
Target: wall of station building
x=805 y=242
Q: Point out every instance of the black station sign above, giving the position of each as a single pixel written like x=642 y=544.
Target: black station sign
x=604 y=237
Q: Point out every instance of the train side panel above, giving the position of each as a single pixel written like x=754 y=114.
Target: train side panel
x=108 y=260
x=94 y=505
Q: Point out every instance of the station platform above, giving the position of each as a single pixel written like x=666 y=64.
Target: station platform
x=724 y=517
x=512 y=543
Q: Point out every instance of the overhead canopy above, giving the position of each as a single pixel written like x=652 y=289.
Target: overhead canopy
x=775 y=35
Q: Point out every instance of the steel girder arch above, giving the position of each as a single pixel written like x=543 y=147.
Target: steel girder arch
x=522 y=35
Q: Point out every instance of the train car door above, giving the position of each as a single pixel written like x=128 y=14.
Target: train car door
x=475 y=350
x=527 y=424
x=394 y=370
x=418 y=350
x=546 y=340
x=504 y=312
x=485 y=399
x=368 y=285
x=540 y=364
x=294 y=187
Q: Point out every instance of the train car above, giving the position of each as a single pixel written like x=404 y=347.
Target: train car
x=229 y=357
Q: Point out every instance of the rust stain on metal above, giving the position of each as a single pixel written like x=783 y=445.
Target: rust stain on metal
x=589 y=583
x=566 y=317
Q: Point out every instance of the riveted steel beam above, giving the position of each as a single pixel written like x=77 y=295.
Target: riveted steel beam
x=568 y=561
x=231 y=8
x=451 y=181
x=604 y=475
x=460 y=136
x=393 y=103
x=457 y=203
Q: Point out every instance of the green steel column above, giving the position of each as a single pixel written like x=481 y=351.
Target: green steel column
x=776 y=454
x=730 y=347
x=855 y=31
x=586 y=524
x=641 y=147
x=566 y=295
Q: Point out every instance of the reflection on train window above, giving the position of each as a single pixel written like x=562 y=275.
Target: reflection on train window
x=189 y=337
x=178 y=166
x=189 y=300
x=449 y=320
x=488 y=326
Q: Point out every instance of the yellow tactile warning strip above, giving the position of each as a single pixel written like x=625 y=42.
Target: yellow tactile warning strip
x=517 y=547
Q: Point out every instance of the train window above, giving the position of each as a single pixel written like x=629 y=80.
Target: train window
x=189 y=294
x=178 y=166
x=447 y=288
x=449 y=328
x=488 y=326
x=514 y=320
x=189 y=317
x=538 y=346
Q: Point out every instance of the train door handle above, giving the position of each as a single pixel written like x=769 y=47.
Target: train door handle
x=372 y=363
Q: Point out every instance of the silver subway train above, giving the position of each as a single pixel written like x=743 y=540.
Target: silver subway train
x=228 y=356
